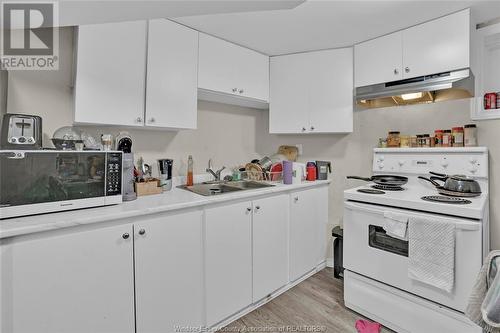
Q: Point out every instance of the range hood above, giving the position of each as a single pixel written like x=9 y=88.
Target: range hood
x=424 y=89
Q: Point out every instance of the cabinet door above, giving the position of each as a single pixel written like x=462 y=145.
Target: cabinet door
x=228 y=260
x=253 y=74
x=172 y=75
x=288 y=102
x=68 y=281
x=303 y=233
x=378 y=60
x=110 y=74
x=231 y=69
x=437 y=46
x=270 y=245
x=330 y=91
x=217 y=65
x=169 y=272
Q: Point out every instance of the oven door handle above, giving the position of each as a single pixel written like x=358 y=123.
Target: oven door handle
x=354 y=206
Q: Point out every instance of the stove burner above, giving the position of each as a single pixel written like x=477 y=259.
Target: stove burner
x=370 y=191
x=387 y=187
x=448 y=200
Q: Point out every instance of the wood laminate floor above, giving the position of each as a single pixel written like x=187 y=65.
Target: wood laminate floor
x=317 y=302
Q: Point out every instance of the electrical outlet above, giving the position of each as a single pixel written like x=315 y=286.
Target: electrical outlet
x=300 y=148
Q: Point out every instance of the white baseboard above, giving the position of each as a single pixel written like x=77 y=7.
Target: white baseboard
x=329 y=262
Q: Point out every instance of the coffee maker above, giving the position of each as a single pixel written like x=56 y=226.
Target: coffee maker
x=165 y=169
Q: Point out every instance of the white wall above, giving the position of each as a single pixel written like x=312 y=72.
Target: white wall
x=233 y=135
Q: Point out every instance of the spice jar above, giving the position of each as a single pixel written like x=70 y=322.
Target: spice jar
x=394 y=140
x=447 y=138
x=426 y=140
x=458 y=136
x=382 y=143
x=405 y=141
x=470 y=135
x=438 y=138
x=413 y=142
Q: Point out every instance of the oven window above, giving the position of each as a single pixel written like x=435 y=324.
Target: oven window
x=378 y=238
x=51 y=176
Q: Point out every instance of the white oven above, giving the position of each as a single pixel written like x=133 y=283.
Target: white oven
x=370 y=252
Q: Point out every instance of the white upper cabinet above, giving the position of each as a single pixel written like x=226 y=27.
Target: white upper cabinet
x=231 y=69
x=312 y=92
x=379 y=60
x=433 y=47
x=172 y=75
x=110 y=74
x=437 y=46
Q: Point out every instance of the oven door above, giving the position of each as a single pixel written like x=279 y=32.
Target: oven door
x=370 y=252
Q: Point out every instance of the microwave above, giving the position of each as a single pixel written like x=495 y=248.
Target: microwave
x=43 y=181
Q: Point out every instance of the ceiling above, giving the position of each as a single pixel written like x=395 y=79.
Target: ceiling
x=324 y=24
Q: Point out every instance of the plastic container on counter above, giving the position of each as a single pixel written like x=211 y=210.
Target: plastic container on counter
x=394 y=139
x=458 y=136
x=470 y=135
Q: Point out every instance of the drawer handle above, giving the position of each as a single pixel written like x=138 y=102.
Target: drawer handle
x=142 y=232
x=125 y=235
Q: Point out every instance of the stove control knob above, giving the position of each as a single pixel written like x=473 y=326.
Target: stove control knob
x=381 y=158
x=381 y=165
x=473 y=170
x=445 y=163
x=401 y=163
x=473 y=160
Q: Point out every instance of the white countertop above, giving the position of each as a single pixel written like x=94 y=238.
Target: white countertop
x=172 y=200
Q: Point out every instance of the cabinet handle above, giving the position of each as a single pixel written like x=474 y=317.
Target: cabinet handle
x=296 y=199
x=235 y=90
x=152 y=120
x=407 y=69
x=303 y=129
x=139 y=120
x=257 y=207
x=312 y=128
x=241 y=91
x=125 y=235
x=249 y=209
x=142 y=232
x=396 y=72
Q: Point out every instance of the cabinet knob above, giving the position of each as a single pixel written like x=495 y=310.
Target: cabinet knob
x=125 y=235
x=312 y=128
x=407 y=69
x=257 y=207
x=396 y=71
x=249 y=209
x=241 y=91
x=296 y=199
x=139 y=120
x=152 y=120
x=303 y=129
x=235 y=90
x=142 y=232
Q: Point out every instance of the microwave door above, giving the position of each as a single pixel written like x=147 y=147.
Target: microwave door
x=15 y=179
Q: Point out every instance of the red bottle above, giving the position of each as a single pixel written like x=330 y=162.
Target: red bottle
x=311 y=171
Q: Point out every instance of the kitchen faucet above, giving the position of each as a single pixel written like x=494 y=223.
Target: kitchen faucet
x=217 y=173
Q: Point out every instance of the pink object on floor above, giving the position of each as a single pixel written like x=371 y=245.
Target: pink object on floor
x=365 y=326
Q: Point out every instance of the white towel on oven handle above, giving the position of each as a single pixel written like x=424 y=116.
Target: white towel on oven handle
x=431 y=252
x=396 y=225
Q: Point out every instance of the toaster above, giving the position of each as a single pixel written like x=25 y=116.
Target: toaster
x=20 y=131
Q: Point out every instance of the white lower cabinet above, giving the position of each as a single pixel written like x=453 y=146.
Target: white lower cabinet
x=169 y=272
x=270 y=245
x=77 y=281
x=228 y=260
x=308 y=218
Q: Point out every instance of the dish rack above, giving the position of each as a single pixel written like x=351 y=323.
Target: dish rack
x=275 y=177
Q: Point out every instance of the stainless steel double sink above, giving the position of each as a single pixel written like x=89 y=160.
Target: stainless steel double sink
x=215 y=188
